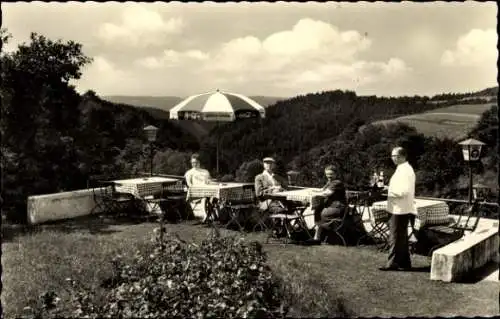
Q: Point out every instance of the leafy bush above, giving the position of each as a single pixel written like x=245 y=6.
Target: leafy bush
x=222 y=277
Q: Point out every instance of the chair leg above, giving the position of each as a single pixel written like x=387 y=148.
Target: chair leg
x=261 y=222
x=234 y=214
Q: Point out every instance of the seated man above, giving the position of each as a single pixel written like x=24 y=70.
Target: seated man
x=268 y=183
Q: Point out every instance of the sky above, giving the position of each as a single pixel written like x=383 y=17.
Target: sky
x=272 y=49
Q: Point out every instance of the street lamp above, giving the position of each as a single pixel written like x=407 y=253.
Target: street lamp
x=292 y=177
x=151 y=136
x=471 y=151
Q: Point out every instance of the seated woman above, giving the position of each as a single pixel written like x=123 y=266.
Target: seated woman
x=335 y=203
x=194 y=177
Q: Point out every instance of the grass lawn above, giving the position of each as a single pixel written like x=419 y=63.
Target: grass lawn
x=453 y=121
x=316 y=275
x=464 y=108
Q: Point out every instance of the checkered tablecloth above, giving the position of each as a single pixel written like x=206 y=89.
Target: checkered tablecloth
x=306 y=196
x=141 y=187
x=429 y=212
x=224 y=191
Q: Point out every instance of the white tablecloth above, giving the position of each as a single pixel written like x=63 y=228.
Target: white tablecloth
x=142 y=187
x=306 y=195
x=430 y=212
x=223 y=191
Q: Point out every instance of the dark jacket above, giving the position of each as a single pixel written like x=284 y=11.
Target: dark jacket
x=338 y=195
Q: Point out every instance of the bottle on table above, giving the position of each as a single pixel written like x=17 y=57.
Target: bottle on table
x=380 y=182
x=374 y=179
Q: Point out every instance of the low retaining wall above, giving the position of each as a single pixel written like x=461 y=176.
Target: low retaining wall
x=454 y=261
x=49 y=207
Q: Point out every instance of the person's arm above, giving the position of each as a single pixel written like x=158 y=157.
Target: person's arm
x=189 y=181
x=208 y=178
x=282 y=182
x=259 y=186
x=333 y=187
x=400 y=184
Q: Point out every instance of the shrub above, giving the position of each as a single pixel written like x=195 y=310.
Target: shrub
x=221 y=277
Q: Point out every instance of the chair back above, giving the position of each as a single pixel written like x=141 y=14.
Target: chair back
x=248 y=196
x=175 y=189
x=469 y=219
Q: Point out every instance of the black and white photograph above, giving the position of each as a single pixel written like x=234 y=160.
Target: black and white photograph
x=249 y=159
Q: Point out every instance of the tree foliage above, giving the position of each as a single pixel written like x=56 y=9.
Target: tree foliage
x=53 y=139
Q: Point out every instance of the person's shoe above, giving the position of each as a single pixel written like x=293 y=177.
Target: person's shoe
x=389 y=268
x=314 y=241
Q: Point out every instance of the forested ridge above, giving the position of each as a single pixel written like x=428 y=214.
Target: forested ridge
x=54 y=139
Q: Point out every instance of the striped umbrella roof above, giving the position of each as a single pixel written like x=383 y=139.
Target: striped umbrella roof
x=217 y=106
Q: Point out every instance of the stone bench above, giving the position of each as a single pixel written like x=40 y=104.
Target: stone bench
x=454 y=261
x=49 y=207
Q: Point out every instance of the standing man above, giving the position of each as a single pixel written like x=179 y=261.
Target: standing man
x=401 y=205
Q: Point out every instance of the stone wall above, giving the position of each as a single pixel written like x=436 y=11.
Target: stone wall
x=43 y=208
x=454 y=261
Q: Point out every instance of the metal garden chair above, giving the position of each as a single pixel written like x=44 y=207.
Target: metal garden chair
x=239 y=210
x=433 y=237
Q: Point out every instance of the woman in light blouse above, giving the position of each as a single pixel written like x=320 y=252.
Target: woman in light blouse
x=196 y=175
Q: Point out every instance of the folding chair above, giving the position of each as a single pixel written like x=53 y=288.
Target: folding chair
x=174 y=200
x=290 y=225
x=335 y=225
x=238 y=209
x=211 y=209
x=432 y=237
x=111 y=202
x=379 y=219
x=262 y=216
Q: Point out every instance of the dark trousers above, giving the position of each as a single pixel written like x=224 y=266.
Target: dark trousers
x=399 y=254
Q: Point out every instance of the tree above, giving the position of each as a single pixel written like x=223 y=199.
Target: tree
x=40 y=117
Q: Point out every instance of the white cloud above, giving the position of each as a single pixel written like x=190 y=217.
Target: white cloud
x=103 y=71
x=172 y=58
x=476 y=48
x=311 y=56
x=140 y=26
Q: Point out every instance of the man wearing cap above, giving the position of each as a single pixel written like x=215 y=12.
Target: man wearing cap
x=268 y=183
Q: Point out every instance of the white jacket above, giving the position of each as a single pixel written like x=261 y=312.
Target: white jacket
x=401 y=192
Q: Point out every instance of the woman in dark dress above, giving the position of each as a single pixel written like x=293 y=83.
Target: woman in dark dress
x=335 y=202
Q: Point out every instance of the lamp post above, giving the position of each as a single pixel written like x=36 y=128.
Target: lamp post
x=471 y=151
x=151 y=131
x=292 y=177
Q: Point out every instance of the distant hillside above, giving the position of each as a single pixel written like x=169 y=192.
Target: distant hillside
x=452 y=121
x=167 y=102
x=158 y=107
x=160 y=102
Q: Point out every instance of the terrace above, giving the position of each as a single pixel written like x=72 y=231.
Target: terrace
x=70 y=228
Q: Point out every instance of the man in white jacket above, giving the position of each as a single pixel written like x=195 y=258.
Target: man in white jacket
x=401 y=205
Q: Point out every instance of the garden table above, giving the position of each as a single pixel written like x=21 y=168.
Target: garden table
x=143 y=187
x=429 y=212
x=304 y=195
x=223 y=192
